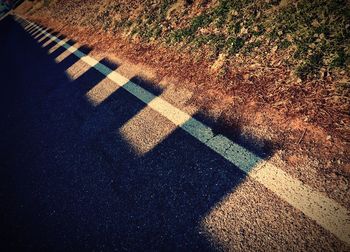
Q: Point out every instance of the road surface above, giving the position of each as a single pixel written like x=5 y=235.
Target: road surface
x=86 y=165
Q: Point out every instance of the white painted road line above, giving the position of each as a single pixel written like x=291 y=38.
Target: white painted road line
x=31 y=28
x=33 y=31
x=27 y=28
x=5 y=15
x=316 y=205
x=49 y=41
x=43 y=37
x=40 y=34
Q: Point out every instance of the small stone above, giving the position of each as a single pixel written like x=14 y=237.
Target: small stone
x=312 y=45
x=333 y=175
x=243 y=31
x=219 y=62
x=343 y=184
x=289 y=38
x=328 y=137
x=274 y=49
x=315 y=23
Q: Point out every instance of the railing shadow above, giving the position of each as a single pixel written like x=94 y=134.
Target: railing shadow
x=72 y=181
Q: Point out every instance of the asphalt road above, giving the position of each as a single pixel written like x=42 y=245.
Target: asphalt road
x=79 y=175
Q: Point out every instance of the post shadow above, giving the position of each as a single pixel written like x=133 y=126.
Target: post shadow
x=71 y=59
x=59 y=50
x=263 y=148
x=147 y=84
x=51 y=43
x=41 y=34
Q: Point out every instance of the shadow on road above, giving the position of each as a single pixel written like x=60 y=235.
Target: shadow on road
x=69 y=178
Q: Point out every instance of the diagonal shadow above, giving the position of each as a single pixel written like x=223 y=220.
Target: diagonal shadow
x=71 y=181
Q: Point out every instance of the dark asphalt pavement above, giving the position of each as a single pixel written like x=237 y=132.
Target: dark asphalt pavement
x=70 y=181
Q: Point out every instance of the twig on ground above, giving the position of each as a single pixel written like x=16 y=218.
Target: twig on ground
x=302 y=136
